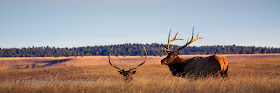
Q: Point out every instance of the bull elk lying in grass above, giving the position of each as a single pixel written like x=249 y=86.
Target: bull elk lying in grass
x=215 y=65
x=127 y=74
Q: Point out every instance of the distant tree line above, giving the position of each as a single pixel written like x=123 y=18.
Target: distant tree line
x=129 y=49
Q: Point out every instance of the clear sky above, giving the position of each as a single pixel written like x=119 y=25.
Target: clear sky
x=74 y=23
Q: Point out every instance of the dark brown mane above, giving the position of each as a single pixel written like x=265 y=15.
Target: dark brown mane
x=178 y=69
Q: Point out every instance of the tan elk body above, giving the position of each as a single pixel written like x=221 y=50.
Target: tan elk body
x=215 y=65
x=127 y=74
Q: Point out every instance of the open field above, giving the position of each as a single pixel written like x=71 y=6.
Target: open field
x=257 y=73
x=47 y=62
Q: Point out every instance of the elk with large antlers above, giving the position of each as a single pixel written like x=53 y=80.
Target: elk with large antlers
x=215 y=65
x=127 y=74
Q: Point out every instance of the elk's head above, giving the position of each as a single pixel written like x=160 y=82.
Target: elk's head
x=127 y=74
x=172 y=55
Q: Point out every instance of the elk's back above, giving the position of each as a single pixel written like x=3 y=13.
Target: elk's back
x=211 y=65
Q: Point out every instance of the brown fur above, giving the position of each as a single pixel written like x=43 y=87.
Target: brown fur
x=127 y=74
x=215 y=65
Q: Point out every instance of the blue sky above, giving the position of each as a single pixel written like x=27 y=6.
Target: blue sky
x=74 y=23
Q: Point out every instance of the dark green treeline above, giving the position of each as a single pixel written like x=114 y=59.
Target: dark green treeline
x=129 y=49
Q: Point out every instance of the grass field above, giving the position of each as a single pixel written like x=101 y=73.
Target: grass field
x=247 y=73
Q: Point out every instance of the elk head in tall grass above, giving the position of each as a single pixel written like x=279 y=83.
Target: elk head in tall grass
x=127 y=74
x=215 y=65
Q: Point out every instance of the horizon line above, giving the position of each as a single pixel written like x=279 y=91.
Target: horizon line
x=138 y=43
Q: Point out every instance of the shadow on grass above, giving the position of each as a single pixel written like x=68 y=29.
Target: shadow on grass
x=53 y=62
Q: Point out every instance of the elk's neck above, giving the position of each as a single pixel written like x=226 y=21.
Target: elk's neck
x=177 y=68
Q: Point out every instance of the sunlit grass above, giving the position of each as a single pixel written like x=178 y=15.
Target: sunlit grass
x=244 y=77
x=240 y=84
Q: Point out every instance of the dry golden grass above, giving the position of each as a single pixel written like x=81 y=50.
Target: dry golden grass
x=254 y=76
x=238 y=84
x=15 y=62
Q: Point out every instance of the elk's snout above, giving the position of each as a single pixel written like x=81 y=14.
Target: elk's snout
x=163 y=62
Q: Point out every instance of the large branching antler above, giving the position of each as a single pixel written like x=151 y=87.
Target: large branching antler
x=142 y=62
x=129 y=69
x=192 y=40
x=110 y=61
x=166 y=48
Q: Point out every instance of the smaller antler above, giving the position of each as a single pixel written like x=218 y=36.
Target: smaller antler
x=110 y=61
x=192 y=40
x=142 y=62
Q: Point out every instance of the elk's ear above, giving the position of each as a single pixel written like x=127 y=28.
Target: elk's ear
x=134 y=72
x=120 y=72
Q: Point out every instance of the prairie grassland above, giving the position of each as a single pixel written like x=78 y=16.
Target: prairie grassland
x=254 y=76
x=50 y=62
